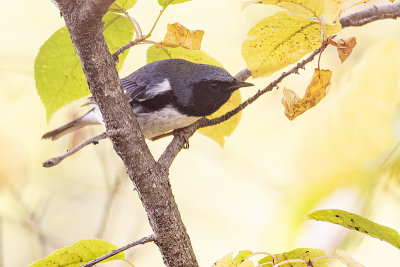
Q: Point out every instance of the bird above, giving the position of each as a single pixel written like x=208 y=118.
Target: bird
x=166 y=95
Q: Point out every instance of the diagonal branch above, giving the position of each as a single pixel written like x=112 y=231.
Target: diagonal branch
x=94 y=140
x=357 y=19
x=140 y=38
x=179 y=141
x=144 y=240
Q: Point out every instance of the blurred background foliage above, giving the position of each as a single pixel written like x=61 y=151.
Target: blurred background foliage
x=343 y=154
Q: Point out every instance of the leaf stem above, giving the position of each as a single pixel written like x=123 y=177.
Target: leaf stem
x=155 y=23
x=140 y=38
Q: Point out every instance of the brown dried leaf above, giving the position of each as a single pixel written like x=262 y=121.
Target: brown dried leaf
x=177 y=35
x=316 y=91
x=344 y=47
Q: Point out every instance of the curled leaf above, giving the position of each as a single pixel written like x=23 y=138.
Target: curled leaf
x=316 y=91
x=178 y=35
x=344 y=47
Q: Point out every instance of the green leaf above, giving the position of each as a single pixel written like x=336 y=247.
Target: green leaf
x=358 y=223
x=165 y=3
x=238 y=261
x=124 y=4
x=280 y=40
x=58 y=73
x=218 y=132
x=79 y=253
x=303 y=254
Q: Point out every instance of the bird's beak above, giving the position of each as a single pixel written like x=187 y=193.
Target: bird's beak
x=238 y=85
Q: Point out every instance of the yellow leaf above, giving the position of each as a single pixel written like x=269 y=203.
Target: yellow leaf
x=333 y=10
x=218 y=132
x=178 y=35
x=344 y=47
x=79 y=253
x=281 y=40
x=330 y=10
x=304 y=254
x=310 y=8
x=316 y=91
x=238 y=261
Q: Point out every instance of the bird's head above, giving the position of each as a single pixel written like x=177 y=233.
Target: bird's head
x=210 y=88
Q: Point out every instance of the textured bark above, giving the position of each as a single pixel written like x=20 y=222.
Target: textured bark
x=370 y=15
x=83 y=20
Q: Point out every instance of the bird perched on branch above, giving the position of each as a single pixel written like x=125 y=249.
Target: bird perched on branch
x=166 y=95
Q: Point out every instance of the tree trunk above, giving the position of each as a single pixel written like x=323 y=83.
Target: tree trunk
x=83 y=20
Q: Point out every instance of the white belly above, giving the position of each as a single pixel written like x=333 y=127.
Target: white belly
x=151 y=124
x=162 y=121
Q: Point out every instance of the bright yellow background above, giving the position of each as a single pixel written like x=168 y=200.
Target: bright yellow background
x=250 y=195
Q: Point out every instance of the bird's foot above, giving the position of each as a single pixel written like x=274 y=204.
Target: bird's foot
x=181 y=132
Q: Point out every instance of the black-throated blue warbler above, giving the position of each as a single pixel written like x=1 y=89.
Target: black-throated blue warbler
x=166 y=95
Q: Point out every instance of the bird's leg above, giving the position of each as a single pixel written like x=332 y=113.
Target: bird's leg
x=181 y=132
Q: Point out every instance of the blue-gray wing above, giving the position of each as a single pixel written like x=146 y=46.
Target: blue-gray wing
x=140 y=92
x=133 y=90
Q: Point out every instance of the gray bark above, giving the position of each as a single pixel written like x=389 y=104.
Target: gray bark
x=83 y=20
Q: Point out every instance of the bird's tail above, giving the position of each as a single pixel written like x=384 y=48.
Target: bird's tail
x=87 y=119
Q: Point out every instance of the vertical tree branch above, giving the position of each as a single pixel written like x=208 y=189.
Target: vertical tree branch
x=83 y=20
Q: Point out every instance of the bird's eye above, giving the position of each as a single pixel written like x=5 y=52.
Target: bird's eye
x=214 y=86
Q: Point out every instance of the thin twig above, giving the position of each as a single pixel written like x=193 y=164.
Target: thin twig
x=178 y=142
x=94 y=140
x=144 y=240
x=140 y=38
x=155 y=23
x=357 y=19
x=134 y=22
x=271 y=86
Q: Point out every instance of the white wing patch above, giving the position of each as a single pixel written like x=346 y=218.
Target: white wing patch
x=158 y=89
